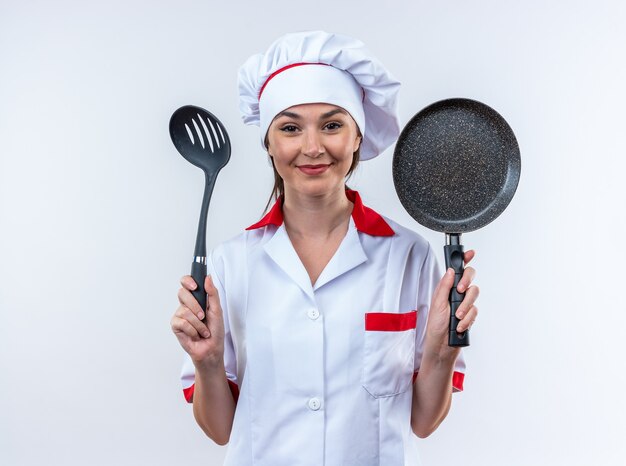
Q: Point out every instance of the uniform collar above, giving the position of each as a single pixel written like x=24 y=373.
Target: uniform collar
x=366 y=220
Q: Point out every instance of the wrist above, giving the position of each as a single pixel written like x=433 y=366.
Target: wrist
x=440 y=355
x=209 y=366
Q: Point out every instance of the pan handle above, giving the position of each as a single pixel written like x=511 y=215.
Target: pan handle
x=453 y=251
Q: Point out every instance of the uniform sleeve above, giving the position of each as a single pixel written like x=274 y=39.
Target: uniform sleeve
x=429 y=276
x=188 y=371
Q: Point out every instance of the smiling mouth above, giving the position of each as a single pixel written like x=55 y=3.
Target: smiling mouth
x=313 y=169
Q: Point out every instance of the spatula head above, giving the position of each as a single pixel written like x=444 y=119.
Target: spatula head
x=200 y=137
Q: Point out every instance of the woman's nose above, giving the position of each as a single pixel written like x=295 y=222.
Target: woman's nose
x=312 y=145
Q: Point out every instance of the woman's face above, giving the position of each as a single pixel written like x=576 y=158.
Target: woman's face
x=312 y=146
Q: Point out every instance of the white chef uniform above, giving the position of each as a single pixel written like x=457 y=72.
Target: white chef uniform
x=324 y=372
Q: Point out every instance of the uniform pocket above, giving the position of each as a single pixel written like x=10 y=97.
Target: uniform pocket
x=389 y=352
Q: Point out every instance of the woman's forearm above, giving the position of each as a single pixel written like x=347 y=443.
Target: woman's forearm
x=213 y=403
x=432 y=394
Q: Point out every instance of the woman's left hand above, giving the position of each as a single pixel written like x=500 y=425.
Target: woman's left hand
x=439 y=315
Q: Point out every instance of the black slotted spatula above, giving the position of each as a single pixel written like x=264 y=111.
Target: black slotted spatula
x=201 y=139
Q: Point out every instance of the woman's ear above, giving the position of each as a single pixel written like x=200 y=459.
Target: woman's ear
x=266 y=142
x=357 y=142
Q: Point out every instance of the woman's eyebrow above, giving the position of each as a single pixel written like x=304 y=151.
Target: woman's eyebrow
x=333 y=112
x=293 y=115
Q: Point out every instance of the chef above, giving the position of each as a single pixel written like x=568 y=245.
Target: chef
x=326 y=334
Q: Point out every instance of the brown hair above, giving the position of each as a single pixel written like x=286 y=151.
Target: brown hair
x=279 y=186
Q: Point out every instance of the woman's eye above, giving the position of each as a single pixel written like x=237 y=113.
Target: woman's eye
x=333 y=125
x=289 y=128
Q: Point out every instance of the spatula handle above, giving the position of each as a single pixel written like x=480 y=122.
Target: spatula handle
x=198 y=272
x=454 y=258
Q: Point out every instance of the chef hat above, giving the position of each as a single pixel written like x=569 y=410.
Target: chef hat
x=320 y=67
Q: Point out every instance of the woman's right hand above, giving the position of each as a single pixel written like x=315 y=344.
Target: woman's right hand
x=204 y=343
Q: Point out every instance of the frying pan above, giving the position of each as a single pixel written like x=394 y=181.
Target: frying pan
x=456 y=167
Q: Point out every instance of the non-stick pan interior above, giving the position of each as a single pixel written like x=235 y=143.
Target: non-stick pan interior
x=456 y=165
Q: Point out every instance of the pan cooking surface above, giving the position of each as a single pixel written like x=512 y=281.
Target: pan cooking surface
x=456 y=166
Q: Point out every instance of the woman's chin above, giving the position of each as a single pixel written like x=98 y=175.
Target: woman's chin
x=317 y=188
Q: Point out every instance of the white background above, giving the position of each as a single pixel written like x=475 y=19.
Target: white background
x=98 y=216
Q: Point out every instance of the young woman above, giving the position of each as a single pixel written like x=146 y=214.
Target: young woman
x=327 y=324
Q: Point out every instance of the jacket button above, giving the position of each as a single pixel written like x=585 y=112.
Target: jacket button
x=313 y=313
x=314 y=404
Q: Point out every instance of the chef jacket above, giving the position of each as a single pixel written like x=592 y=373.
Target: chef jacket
x=323 y=373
